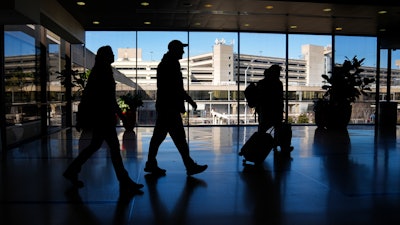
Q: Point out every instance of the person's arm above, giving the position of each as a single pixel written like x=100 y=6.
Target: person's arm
x=116 y=107
x=190 y=100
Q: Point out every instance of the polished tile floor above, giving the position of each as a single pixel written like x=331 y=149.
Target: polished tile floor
x=346 y=178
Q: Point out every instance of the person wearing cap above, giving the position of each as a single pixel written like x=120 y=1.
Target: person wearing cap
x=270 y=103
x=170 y=103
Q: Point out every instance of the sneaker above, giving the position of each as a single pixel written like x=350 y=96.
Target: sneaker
x=287 y=150
x=130 y=185
x=154 y=169
x=195 y=168
x=73 y=178
x=126 y=192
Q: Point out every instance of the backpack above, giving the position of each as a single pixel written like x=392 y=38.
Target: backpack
x=251 y=95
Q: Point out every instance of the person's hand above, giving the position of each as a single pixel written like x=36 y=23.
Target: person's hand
x=78 y=127
x=194 y=105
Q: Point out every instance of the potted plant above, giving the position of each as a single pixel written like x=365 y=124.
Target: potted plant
x=343 y=87
x=129 y=104
x=73 y=78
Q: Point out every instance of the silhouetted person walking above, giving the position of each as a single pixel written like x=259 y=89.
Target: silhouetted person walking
x=99 y=100
x=270 y=108
x=169 y=106
x=270 y=103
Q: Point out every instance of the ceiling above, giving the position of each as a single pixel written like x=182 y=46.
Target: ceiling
x=351 y=17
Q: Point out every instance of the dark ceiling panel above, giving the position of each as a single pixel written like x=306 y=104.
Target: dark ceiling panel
x=355 y=17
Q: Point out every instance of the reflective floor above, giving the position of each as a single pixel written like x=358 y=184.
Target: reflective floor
x=341 y=178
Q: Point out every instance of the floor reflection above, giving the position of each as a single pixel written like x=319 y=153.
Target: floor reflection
x=331 y=141
x=263 y=190
x=161 y=213
x=339 y=178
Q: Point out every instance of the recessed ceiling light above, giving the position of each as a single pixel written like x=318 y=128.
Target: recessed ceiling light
x=339 y=28
x=147 y=22
x=208 y=5
x=327 y=10
x=382 y=12
x=96 y=22
x=293 y=27
x=269 y=7
x=382 y=30
x=144 y=4
x=197 y=24
x=81 y=3
x=246 y=24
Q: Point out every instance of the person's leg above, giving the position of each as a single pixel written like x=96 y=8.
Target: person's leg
x=277 y=129
x=263 y=124
x=283 y=137
x=263 y=127
x=159 y=134
x=158 y=137
x=71 y=173
x=112 y=141
x=116 y=159
x=178 y=135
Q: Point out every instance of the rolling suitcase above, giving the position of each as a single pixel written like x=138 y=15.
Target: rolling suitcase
x=257 y=148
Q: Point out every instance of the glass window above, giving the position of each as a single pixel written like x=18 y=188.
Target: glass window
x=79 y=69
x=22 y=81
x=212 y=77
x=123 y=45
x=257 y=53
x=309 y=57
x=395 y=77
x=347 y=47
x=56 y=83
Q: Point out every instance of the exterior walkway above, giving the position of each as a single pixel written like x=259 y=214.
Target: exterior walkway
x=349 y=178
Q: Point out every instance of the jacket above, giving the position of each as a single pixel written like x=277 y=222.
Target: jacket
x=171 y=95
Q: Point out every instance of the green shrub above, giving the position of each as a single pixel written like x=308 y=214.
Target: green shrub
x=303 y=118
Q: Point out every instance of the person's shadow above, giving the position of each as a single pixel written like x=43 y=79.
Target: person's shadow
x=80 y=213
x=263 y=193
x=160 y=210
x=129 y=141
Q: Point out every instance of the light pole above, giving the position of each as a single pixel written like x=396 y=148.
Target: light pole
x=229 y=101
x=210 y=92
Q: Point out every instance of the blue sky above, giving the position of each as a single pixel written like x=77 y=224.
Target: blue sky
x=154 y=44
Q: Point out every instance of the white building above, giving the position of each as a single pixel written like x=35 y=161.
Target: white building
x=213 y=77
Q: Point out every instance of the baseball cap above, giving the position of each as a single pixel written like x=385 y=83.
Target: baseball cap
x=275 y=67
x=175 y=44
x=273 y=70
